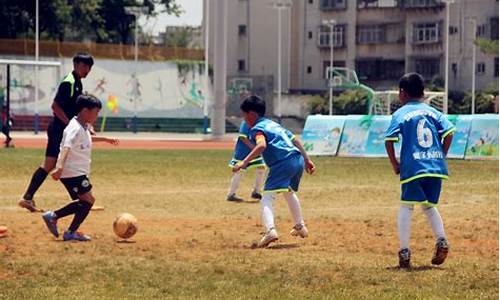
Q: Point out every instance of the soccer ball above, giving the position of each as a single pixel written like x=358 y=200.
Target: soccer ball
x=125 y=226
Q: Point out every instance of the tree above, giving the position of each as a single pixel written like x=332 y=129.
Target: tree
x=487 y=46
x=76 y=20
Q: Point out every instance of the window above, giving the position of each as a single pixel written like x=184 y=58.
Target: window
x=428 y=67
x=242 y=29
x=338 y=36
x=370 y=34
x=453 y=29
x=380 y=69
x=310 y=34
x=495 y=71
x=420 y=3
x=377 y=3
x=310 y=1
x=424 y=33
x=480 y=68
x=454 y=69
x=481 y=31
x=309 y=69
x=332 y=4
x=241 y=65
x=494 y=28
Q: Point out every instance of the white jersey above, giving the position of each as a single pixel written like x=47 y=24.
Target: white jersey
x=78 y=139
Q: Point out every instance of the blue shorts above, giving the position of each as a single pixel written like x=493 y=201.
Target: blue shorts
x=285 y=175
x=423 y=190
x=258 y=162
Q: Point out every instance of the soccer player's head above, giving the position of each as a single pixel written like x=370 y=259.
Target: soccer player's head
x=253 y=107
x=411 y=86
x=88 y=107
x=82 y=64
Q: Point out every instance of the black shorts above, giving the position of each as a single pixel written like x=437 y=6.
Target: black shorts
x=54 y=135
x=77 y=185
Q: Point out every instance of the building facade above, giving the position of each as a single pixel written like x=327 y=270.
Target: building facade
x=380 y=39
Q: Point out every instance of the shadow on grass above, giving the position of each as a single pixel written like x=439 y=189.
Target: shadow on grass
x=126 y=242
x=415 y=269
x=283 y=246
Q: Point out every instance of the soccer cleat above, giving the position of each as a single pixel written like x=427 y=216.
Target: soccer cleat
x=300 y=230
x=270 y=236
x=234 y=198
x=256 y=195
x=441 y=251
x=29 y=205
x=51 y=222
x=404 y=258
x=75 y=236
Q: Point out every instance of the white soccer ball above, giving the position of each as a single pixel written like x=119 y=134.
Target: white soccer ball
x=125 y=226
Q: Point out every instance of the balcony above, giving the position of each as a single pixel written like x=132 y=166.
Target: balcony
x=326 y=5
x=419 y=4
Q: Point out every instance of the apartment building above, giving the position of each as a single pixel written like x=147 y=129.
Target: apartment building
x=380 y=39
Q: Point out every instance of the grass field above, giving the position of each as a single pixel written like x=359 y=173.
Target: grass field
x=193 y=244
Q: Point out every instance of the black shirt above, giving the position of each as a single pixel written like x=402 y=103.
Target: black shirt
x=66 y=101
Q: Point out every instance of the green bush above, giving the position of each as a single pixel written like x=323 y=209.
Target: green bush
x=348 y=102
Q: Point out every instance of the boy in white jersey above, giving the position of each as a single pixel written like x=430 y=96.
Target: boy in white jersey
x=73 y=167
x=427 y=136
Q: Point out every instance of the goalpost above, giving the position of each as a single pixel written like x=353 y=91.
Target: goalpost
x=26 y=83
x=384 y=102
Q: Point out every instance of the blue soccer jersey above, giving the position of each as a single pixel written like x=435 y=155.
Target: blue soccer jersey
x=278 y=139
x=422 y=129
x=241 y=150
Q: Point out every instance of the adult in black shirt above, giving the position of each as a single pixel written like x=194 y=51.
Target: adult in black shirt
x=64 y=109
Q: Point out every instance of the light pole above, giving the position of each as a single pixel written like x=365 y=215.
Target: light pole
x=37 y=42
x=447 y=54
x=474 y=29
x=280 y=6
x=331 y=24
x=207 y=40
x=136 y=11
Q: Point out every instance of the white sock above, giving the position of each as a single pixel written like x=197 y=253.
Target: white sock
x=267 y=210
x=435 y=220
x=235 y=182
x=294 y=206
x=404 y=225
x=259 y=179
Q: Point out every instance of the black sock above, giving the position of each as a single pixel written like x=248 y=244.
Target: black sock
x=67 y=210
x=36 y=181
x=80 y=215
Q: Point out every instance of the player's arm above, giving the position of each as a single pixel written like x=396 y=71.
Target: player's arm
x=57 y=171
x=310 y=168
x=58 y=111
x=247 y=142
x=112 y=141
x=447 y=143
x=389 y=148
x=63 y=93
x=260 y=146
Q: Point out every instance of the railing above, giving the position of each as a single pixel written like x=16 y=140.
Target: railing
x=114 y=51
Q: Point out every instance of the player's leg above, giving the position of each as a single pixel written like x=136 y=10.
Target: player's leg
x=404 y=232
x=271 y=234
x=235 y=182
x=83 y=206
x=299 y=228
x=54 y=136
x=260 y=173
x=432 y=189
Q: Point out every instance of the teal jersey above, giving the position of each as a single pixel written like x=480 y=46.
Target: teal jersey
x=278 y=139
x=241 y=150
x=422 y=129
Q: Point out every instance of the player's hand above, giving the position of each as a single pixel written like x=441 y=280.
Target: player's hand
x=240 y=165
x=91 y=129
x=310 y=168
x=396 y=169
x=56 y=173
x=114 y=142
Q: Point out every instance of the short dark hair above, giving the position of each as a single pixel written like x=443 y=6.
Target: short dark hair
x=87 y=101
x=82 y=57
x=254 y=103
x=412 y=84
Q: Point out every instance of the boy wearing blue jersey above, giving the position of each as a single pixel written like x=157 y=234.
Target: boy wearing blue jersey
x=427 y=136
x=285 y=157
x=241 y=150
